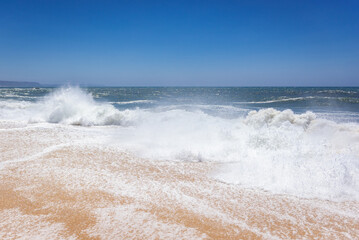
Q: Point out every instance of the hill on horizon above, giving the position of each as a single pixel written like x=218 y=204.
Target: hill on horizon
x=19 y=84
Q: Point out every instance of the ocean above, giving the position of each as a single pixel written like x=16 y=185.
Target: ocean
x=221 y=154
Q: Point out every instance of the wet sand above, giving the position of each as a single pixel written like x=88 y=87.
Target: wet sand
x=56 y=182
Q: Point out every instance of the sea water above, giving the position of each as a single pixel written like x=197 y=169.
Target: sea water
x=302 y=142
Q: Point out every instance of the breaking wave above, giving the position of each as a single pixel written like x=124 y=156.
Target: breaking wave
x=278 y=100
x=73 y=106
x=133 y=102
x=67 y=106
x=309 y=98
x=278 y=151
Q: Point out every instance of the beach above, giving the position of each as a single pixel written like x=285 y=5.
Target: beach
x=179 y=120
x=61 y=188
x=89 y=164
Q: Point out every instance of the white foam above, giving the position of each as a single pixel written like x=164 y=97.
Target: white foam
x=12 y=104
x=133 y=102
x=279 y=151
x=277 y=100
x=129 y=222
x=16 y=225
x=35 y=156
x=335 y=91
x=286 y=99
x=298 y=155
x=68 y=105
x=274 y=150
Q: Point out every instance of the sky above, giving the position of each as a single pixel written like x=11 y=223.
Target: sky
x=180 y=43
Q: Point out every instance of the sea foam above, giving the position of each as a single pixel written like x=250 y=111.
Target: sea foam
x=69 y=105
x=279 y=151
x=73 y=106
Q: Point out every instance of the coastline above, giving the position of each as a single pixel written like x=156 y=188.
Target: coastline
x=56 y=185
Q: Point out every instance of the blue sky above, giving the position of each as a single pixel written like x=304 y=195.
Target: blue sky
x=180 y=43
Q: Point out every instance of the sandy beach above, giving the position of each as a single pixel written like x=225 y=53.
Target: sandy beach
x=166 y=120
x=58 y=183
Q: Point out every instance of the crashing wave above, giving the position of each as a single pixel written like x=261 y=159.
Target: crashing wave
x=279 y=151
x=271 y=117
x=74 y=106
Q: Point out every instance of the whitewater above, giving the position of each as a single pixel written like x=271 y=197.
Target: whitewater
x=280 y=151
x=300 y=144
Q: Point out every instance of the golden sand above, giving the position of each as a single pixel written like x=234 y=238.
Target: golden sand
x=89 y=191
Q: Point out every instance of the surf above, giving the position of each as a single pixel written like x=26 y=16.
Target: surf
x=280 y=151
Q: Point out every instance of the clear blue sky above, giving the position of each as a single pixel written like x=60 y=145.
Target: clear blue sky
x=181 y=43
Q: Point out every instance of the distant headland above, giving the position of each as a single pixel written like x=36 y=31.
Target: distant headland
x=19 y=84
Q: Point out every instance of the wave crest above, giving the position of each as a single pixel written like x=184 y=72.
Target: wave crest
x=73 y=106
x=272 y=117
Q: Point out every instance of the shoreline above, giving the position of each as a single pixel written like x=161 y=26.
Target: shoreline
x=72 y=189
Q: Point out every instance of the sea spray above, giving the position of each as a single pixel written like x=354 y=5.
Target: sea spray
x=68 y=105
x=301 y=156
x=280 y=151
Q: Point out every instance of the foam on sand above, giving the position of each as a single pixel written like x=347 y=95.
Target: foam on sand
x=88 y=190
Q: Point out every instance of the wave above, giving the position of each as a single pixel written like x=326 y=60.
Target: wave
x=349 y=100
x=341 y=99
x=279 y=151
x=133 y=102
x=13 y=104
x=295 y=154
x=15 y=96
x=277 y=100
x=68 y=105
x=335 y=91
